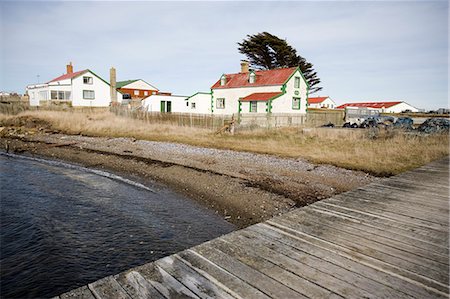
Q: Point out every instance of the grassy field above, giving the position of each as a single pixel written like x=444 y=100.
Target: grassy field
x=387 y=154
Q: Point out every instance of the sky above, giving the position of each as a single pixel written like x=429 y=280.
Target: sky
x=361 y=50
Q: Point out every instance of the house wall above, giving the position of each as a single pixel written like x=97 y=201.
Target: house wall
x=153 y=103
x=261 y=107
x=232 y=96
x=101 y=92
x=283 y=104
x=141 y=92
x=401 y=107
x=331 y=104
x=202 y=103
x=140 y=84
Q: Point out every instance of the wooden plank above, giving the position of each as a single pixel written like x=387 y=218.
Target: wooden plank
x=345 y=270
x=168 y=286
x=437 y=238
x=289 y=272
x=339 y=224
x=403 y=188
x=137 y=286
x=387 y=232
x=385 y=262
x=107 y=287
x=219 y=276
x=405 y=217
x=265 y=284
x=197 y=283
x=430 y=285
x=249 y=246
x=80 y=293
x=390 y=255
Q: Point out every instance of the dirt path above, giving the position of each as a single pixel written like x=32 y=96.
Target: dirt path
x=244 y=188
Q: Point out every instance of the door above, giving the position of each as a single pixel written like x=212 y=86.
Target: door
x=163 y=106
x=169 y=106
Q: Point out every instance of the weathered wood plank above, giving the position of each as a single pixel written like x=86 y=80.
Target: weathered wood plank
x=107 y=288
x=80 y=293
x=253 y=277
x=298 y=280
x=390 y=255
x=137 y=286
x=434 y=259
x=437 y=238
x=197 y=283
x=219 y=276
x=387 y=232
x=343 y=258
x=168 y=286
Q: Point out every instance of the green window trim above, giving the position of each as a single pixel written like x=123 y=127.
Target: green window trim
x=250 y=106
x=296 y=103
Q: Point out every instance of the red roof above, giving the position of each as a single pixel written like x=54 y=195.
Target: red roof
x=260 y=96
x=263 y=78
x=316 y=100
x=68 y=76
x=369 y=105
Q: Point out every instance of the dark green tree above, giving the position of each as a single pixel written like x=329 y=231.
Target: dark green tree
x=266 y=51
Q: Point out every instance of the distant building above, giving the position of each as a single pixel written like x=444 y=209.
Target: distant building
x=386 y=107
x=165 y=104
x=199 y=102
x=80 y=89
x=136 y=89
x=250 y=92
x=321 y=102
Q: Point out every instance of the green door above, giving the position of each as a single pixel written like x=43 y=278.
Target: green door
x=163 y=106
x=169 y=106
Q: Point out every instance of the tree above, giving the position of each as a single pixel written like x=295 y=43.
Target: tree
x=266 y=51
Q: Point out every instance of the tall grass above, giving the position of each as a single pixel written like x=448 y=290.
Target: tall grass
x=389 y=153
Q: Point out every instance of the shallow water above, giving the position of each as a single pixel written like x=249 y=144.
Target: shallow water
x=64 y=226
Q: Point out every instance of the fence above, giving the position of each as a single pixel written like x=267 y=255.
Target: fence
x=320 y=117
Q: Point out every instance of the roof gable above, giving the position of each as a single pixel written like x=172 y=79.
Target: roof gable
x=263 y=78
x=370 y=105
x=317 y=100
x=120 y=84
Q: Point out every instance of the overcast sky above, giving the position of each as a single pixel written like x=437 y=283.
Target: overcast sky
x=362 y=51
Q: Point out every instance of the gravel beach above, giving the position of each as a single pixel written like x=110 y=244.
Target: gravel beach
x=244 y=188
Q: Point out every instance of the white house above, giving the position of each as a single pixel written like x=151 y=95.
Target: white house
x=166 y=103
x=199 y=102
x=277 y=91
x=386 y=107
x=81 y=89
x=321 y=102
x=136 y=89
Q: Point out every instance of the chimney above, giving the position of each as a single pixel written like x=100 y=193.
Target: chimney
x=113 y=85
x=69 y=68
x=244 y=66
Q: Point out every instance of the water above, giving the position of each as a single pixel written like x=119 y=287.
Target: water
x=65 y=226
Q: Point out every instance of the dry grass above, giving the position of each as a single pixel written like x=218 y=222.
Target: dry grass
x=390 y=153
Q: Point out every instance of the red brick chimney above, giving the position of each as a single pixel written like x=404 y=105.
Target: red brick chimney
x=69 y=68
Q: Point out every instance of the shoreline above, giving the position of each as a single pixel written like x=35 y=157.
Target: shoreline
x=226 y=182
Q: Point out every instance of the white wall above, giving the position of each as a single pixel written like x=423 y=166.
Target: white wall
x=140 y=84
x=232 y=96
x=261 y=107
x=283 y=104
x=401 y=107
x=202 y=103
x=331 y=104
x=153 y=103
x=101 y=92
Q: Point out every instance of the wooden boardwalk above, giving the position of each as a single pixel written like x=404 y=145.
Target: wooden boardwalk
x=384 y=240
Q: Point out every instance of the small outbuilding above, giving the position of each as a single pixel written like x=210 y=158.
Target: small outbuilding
x=384 y=107
x=136 y=89
x=321 y=102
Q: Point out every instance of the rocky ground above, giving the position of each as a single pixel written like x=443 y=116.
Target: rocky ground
x=244 y=188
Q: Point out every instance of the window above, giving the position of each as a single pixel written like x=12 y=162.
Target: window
x=136 y=92
x=297 y=82
x=87 y=80
x=253 y=106
x=88 y=94
x=187 y=104
x=192 y=105
x=252 y=78
x=296 y=103
x=59 y=95
x=220 y=103
x=145 y=93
